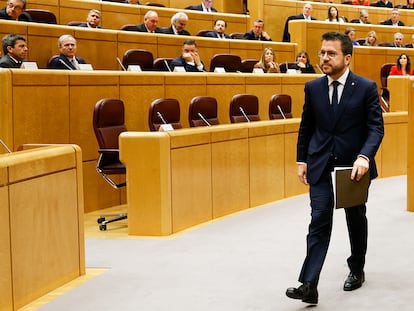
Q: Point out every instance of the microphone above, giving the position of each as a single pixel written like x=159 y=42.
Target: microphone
x=5 y=146
x=166 y=65
x=281 y=111
x=120 y=63
x=66 y=65
x=204 y=119
x=161 y=117
x=243 y=113
x=319 y=68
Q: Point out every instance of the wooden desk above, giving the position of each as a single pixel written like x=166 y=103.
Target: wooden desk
x=41 y=237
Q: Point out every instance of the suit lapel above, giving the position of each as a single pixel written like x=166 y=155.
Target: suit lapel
x=349 y=89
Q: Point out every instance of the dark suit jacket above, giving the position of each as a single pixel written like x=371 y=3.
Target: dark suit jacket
x=286 y=34
x=383 y=5
x=251 y=36
x=7 y=62
x=142 y=28
x=389 y=22
x=356 y=128
x=56 y=62
x=86 y=25
x=23 y=17
x=170 y=31
x=200 y=8
x=179 y=61
x=213 y=34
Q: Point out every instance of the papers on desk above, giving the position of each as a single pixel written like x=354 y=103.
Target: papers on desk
x=347 y=192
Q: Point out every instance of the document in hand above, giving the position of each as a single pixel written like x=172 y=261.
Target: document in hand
x=347 y=192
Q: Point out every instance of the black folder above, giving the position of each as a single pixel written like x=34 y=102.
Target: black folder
x=347 y=192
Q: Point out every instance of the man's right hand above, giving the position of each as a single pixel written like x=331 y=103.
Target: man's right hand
x=302 y=170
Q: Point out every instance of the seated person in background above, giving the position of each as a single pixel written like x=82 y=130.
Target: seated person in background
x=303 y=62
x=398 y=41
x=371 y=39
x=150 y=23
x=403 y=66
x=363 y=18
x=384 y=4
x=178 y=22
x=132 y=1
x=410 y=45
x=350 y=32
x=205 y=6
x=409 y=5
x=306 y=15
x=67 y=58
x=14 y=51
x=219 y=29
x=333 y=15
x=189 y=58
x=13 y=10
x=257 y=32
x=92 y=20
x=360 y=2
x=268 y=61
x=394 y=20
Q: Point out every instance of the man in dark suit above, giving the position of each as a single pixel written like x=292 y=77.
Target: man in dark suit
x=14 y=10
x=67 y=58
x=14 y=51
x=341 y=125
x=398 y=41
x=383 y=4
x=257 y=32
x=178 y=23
x=150 y=23
x=219 y=29
x=306 y=15
x=92 y=20
x=394 y=20
x=189 y=58
x=205 y=6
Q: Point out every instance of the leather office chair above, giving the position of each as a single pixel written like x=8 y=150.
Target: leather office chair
x=51 y=59
x=164 y=111
x=160 y=63
x=280 y=106
x=41 y=16
x=129 y=27
x=203 y=111
x=202 y=33
x=230 y=62
x=143 y=58
x=74 y=23
x=244 y=108
x=108 y=123
x=237 y=35
x=385 y=93
x=247 y=65
x=155 y=4
x=286 y=65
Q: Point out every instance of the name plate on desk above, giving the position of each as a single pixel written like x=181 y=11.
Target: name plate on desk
x=166 y=128
x=179 y=69
x=134 y=68
x=219 y=69
x=258 y=70
x=29 y=65
x=87 y=67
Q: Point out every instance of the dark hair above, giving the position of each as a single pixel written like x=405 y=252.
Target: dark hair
x=346 y=43
x=220 y=19
x=408 y=67
x=10 y=40
x=189 y=42
x=329 y=13
x=303 y=52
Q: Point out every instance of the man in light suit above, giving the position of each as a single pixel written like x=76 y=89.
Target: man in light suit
x=150 y=23
x=306 y=15
x=341 y=125
x=205 y=6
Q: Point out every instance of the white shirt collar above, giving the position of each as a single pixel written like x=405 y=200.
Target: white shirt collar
x=342 y=79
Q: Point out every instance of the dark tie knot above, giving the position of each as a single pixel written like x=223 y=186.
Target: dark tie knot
x=335 y=83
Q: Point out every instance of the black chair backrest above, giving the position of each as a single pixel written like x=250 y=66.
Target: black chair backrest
x=202 y=33
x=243 y=107
x=237 y=35
x=155 y=4
x=160 y=64
x=164 y=111
x=286 y=65
x=41 y=16
x=143 y=58
x=385 y=72
x=203 y=111
x=230 y=62
x=74 y=23
x=247 y=65
x=128 y=27
x=278 y=104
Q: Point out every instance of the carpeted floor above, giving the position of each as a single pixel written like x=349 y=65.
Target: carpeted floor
x=247 y=260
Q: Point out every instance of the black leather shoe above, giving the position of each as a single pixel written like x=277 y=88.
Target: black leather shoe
x=354 y=281
x=306 y=292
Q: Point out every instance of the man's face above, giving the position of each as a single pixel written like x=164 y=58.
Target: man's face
x=398 y=40
x=395 y=16
x=364 y=18
x=220 y=26
x=208 y=3
x=14 y=8
x=68 y=47
x=257 y=28
x=93 y=19
x=307 y=10
x=180 y=24
x=19 y=50
x=151 y=22
x=333 y=62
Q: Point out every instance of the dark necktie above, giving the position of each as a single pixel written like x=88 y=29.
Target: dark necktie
x=335 y=96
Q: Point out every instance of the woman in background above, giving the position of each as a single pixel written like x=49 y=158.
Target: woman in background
x=303 y=62
x=268 y=61
x=403 y=66
x=371 y=39
x=333 y=15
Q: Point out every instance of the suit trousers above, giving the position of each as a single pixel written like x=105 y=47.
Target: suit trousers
x=320 y=228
